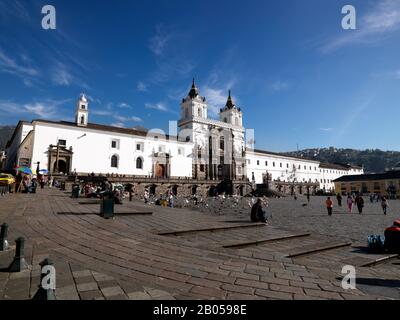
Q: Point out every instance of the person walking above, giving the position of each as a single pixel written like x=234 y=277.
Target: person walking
x=171 y=200
x=360 y=203
x=350 y=203
x=339 y=199
x=308 y=197
x=384 y=204
x=130 y=193
x=329 y=206
x=146 y=196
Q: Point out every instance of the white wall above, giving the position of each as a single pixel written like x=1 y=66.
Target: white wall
x=93 y=152
x=328 y=175
x=307 y=172
x=12 y=150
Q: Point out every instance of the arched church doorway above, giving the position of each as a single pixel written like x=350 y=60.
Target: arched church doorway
x=159 y=170
x=60 y=166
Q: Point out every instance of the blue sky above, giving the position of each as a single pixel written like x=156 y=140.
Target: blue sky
x=297 y=75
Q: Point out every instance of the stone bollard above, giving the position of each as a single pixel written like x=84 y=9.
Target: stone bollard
x=3 y=237
x=47 y=286
x=19 y=262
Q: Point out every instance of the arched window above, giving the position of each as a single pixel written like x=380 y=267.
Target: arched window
x=82 y=119
x=114 y=161
x=236 y=121
x=199 y=112
x=139 y=163
x=225 y=120
x=186 y=113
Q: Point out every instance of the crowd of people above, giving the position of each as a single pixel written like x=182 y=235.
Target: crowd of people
x=104 y=189
x=25 y=183
x=356 y=200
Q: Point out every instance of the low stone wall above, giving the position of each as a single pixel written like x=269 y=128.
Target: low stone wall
x=182 y=187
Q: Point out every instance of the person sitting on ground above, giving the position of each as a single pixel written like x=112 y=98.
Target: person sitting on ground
x=392 y=237
x=91 y=193
x=258 y=214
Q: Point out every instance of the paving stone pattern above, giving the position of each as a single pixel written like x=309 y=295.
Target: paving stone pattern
x=126 y=258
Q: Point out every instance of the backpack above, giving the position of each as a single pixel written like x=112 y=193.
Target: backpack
x=376 y=243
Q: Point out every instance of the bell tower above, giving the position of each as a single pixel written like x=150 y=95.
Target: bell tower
x=231 y=113
x=194 y=105
x=82 y=112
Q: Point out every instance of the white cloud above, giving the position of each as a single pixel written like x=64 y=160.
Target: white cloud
x=216 y=99
x=23 y=71
x=12 y=9
x=136 y=119
x=39 y=109
x=61 y=76
x=100 y=112
x=127 y=118
x=47 y=109
x=142 y=87
x=278 y=86
x=118 y=124
x=124 y=105
x=381 y=21
x=157 y=106
x=326 y=129
x=159 y=41
x=93 y=100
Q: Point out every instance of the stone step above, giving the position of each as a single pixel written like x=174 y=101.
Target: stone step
x=262 y=241
x=315 y=248
x=210 y=229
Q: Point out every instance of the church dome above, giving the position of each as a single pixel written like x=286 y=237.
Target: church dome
x=83 y=98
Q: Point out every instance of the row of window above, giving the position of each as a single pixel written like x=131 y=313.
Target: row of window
x=115 y=144
x=299 y=167
x=333 y=171
x=274 y=164
x=115 y=162
x=140 y=147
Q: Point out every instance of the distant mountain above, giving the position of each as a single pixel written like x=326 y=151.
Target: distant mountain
x=5 y=134
x=373 y=160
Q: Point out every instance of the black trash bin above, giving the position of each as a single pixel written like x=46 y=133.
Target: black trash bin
x=107 y=207
x=75 y=191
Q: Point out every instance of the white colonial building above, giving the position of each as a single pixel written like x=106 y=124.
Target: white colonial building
x=202 y=149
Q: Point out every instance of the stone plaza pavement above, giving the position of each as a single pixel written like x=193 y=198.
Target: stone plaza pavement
x=173 y=254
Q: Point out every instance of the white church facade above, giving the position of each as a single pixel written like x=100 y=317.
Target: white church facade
x=200 y=149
